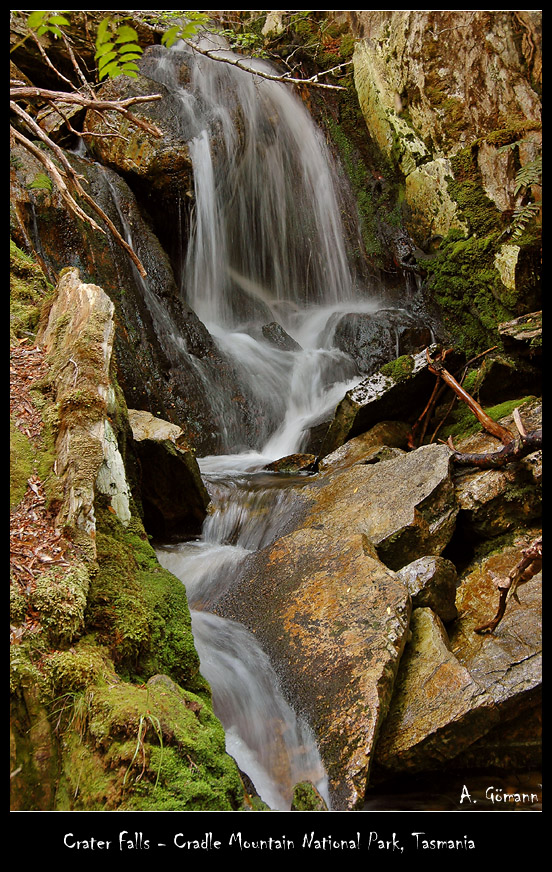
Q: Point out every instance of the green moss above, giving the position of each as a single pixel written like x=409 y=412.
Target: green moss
x=399 y=369
x=59 y=597
x=462 y=279
x=29 y=290
x=22 y=456
x=462 y=422
x=162 y=746
x=140 y=609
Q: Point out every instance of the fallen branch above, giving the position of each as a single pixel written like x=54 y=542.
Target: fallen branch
x=121 y=106
x=75 y=181
x=528 y=566
x=518 y=448
x=436 y=367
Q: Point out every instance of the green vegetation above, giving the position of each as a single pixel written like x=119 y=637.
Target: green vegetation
x=117 y=49
x=29 y=290
x=399 y=369
x=462 y=422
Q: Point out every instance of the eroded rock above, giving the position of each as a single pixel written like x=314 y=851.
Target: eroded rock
x=453 y=690
x=78 y=341
x=174 y=497
x=431 y=582
x=336 y=628
x=405 y=506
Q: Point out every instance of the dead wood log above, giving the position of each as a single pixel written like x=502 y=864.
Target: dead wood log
x=528 y=566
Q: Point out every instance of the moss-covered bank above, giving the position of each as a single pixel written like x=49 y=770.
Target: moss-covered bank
x=109 y=709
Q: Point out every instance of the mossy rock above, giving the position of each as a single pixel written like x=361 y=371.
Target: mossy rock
x=29 y=290
x=60 y=598
x=139 y=609
x=148 y=747
x=22 y=456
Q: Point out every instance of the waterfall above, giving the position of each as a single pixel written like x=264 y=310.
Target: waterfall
x=266 y=244
x=266 y=249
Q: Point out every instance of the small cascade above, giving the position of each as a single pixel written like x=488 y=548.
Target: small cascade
x=268 y=740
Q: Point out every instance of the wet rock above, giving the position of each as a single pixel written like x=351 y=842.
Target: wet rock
x=173 y=495
x=336 y=629
x=453 y=690
x=293 y=463
x=365 y=448
x=437 y=709
x=404 y=384
x=406 y=506
x=164 y=353
x=431 y=582
x=277 y=336
x=373 y=339
x=338 y=616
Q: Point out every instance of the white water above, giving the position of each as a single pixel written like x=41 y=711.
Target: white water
x=266 y=245
x=274 y=746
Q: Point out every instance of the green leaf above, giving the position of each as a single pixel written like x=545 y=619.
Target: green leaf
x=101 y=33
x=107 y=46
x=58 y=19
x=126 y=34
x=36 y=18
x=106 y=59
x=170 y=36
x=129 y=47
x=113 y=69
x=42 y=182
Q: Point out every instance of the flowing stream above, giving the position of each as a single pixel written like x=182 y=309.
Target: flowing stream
x=266 y=247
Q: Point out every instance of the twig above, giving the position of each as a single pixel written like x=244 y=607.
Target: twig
x=528 y=566
x=75 y=179
x=491 y=426
x=516 y=449
x=286 y=78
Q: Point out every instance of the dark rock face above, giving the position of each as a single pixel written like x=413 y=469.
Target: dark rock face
x=374 y=339
x=164 y=354
x=174 y=498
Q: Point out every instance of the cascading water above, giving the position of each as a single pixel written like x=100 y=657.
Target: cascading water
x=266 y=244
x=266 y=247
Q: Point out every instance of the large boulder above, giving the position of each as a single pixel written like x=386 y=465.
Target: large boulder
x=405 y=383
x=328 y=607
x=406 y=505
x=174 y=497
x=452 y=690
x=334 y=619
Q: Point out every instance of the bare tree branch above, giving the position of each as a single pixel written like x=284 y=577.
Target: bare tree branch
x=75 y=180
x=120 y=106
x=491 y=426
x=516 y=449
x=286 y=78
